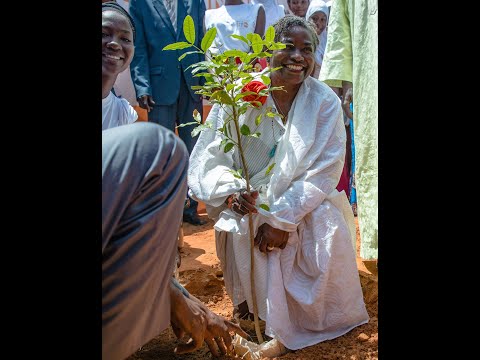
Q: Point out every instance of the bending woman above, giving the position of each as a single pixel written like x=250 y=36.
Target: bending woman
x=306 y=278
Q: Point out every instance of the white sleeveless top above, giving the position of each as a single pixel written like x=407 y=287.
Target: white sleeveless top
x=273 y=11
x=229 y=20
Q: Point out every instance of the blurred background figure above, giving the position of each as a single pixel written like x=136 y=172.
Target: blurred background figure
x=163 y=85
x=298 y=7
x=273 y=11
x=234 y=18
x=351 y=63
x=318 y=14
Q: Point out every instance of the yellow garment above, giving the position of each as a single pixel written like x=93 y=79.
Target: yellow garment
x=352 y=55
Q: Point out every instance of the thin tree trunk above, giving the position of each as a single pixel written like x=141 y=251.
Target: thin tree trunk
x=252 y=241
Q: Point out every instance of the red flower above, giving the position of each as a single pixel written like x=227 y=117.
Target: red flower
x=255 y=86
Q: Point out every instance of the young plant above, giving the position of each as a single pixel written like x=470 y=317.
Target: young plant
x=231 y=82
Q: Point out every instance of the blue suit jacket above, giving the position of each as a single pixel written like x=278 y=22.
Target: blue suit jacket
x=156 y=72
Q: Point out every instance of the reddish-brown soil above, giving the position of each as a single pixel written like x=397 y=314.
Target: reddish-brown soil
x=200 y=274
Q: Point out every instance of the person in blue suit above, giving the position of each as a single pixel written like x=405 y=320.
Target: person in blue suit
x=163 y=84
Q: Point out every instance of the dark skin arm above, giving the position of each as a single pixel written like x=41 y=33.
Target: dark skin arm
x=260 y=30
x=260 y=26
x=189 y=316
x=347 y=90
x=267 y=236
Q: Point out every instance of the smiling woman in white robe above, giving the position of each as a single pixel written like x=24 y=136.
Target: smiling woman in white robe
x=309 y=291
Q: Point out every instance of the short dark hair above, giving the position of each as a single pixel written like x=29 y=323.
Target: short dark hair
x=286 y=23
x=113 y=5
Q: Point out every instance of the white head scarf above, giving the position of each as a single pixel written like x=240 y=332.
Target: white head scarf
x=316 y=5
x=319 y=5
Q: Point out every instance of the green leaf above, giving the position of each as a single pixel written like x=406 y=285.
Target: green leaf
x=230 y=87
x=199 y=128
x=258 y=119
x=223 y=97
x=189 y=29
x=264 y=54
x=246 y=80
x=177 y=46
x=277 y=46
x=250 y=57
x=199 y=68
x=271 y=115
x=222 y=143
x=269 y=169
x=245 y=130
x=270 y=34
x=240 y=37
x=187 y=124
x=266 y=79
x=188 y=53
x=208 y=38
x=243 y=94
x=228 y=147
x=207 y=76
x=257 y=39
x=255 y=135
x=236 y=173
x=197 y=116
x=276 y=68
x=257 y=46
x=233 y=53
x=250 y=36
x=264 y=206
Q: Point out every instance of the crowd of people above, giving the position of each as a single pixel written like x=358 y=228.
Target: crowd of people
x=306 y=278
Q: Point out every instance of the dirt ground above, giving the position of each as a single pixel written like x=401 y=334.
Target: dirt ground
x=200 y=274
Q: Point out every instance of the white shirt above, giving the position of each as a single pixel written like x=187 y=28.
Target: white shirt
x=116 y=111
x=229 y=20
x=175 y=7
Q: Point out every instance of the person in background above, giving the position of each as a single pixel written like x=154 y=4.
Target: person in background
x=318 y=13
x=351 y=63
x=163 y=85
x=144 y=170
x=298 y=7
x=285 y=6
x=234 y=18
x=124 y=86
x=273 y=11
x=118 y=34
x=306 y=277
